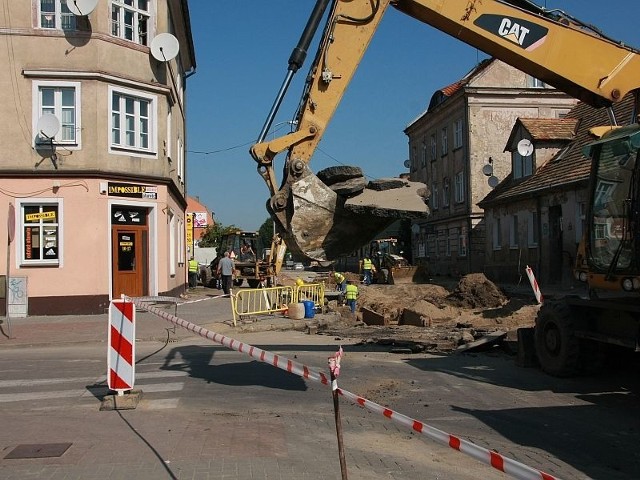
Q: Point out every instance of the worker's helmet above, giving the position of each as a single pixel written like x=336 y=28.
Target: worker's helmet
x=299 y=282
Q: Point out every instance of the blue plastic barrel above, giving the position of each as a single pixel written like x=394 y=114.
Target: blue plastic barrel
x=309 y=309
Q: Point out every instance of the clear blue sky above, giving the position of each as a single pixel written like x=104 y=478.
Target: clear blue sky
x=242 y=48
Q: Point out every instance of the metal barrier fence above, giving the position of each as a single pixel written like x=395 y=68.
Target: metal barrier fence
x=309 y=291
x=257 y=301
x=265 y=301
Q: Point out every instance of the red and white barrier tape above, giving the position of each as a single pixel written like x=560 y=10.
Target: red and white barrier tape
x=493 y=459
x=534 y=284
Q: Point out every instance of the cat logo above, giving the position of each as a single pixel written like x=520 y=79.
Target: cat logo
x=518 y=31
x=513 y=31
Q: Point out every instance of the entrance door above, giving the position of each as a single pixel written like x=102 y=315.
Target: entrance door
x=555 y=244
x=129 y=246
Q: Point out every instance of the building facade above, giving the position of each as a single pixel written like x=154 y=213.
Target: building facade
x=456 y=146
x=536 y=215
x=93 y=165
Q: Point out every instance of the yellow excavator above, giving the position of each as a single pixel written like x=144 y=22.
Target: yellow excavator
x=320 y=221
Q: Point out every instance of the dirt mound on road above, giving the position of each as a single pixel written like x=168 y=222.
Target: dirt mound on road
x=436 y=316
x=477 y=291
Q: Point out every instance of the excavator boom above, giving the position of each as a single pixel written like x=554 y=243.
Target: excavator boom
x=321 y=221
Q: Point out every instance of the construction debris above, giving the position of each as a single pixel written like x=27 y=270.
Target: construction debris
x=436 y=318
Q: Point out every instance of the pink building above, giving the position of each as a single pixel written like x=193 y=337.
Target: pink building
x=92 y=171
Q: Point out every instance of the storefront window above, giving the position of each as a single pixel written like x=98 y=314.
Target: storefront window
x=40 y=231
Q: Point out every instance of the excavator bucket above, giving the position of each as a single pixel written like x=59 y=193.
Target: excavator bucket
x=322 y=225
x=400 y=275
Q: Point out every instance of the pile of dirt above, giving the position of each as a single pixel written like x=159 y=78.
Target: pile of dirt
x=433 y=316
x=477 y=291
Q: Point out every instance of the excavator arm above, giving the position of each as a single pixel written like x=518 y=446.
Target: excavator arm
x=549 y=45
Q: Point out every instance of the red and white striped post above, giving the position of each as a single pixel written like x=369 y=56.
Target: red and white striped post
x=534 y=284
x=122 y=346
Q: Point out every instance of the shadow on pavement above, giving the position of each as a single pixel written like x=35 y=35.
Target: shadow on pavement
x=196 y=360
x=598 y=434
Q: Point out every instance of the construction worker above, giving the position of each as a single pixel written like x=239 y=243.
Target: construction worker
x=340 y=281
x=351 y=294
x=367 y=266
x=193 y=273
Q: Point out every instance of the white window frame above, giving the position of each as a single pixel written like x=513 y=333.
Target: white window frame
x=532 y=229
x=180 y=84
x=444 y=147
x=180 y=166
x=138 y=96
x=459 y=187
x=462 y=244
x=497 y=234
x=182 y=240
x=434 y=196
x=537 y=83
x=172 y=243
x=603 y=193
x=457 y=133
x=36 y=103
x=169 y=133
x=513 y=232
x=20 y=231
x=60 y=14
x=118 y=28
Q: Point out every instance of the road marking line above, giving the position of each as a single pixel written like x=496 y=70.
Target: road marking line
x=161 y=404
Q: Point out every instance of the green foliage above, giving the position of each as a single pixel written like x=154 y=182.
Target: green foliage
x=265 y=232
x=211 y=236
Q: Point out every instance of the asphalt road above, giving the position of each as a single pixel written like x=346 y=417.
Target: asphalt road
x=205 y=406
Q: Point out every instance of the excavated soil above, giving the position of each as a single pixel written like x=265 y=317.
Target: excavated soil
x=432 y=316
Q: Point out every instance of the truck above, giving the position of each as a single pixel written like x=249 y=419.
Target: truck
x=550 y=45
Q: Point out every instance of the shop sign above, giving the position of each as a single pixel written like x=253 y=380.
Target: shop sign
x=35 y=217
x=132 y=190
x=128 y=216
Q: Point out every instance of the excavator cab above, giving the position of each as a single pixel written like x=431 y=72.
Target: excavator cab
x=608 y=258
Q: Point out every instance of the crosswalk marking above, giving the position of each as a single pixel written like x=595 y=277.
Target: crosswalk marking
x=95 y=388
x=42 y=381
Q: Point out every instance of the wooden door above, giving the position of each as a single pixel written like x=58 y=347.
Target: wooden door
x=129 y=246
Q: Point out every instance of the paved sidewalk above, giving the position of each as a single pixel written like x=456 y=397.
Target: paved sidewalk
x=202 y=306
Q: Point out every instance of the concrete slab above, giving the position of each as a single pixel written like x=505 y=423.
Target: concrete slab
x=127 y=401
x=403 y=202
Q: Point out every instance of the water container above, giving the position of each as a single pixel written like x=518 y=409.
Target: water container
x=296 y=311
x=309 y=309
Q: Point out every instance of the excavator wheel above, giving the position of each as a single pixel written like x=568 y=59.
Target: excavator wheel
x=557 y=348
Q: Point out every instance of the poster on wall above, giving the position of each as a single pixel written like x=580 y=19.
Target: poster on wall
x=200 y=219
